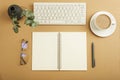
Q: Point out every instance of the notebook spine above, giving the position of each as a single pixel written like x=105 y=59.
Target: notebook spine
x=59 y=60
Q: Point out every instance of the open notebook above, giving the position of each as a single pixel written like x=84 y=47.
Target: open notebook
x=59 y=51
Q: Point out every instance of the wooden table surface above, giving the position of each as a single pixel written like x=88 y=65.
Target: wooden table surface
x=107 y=50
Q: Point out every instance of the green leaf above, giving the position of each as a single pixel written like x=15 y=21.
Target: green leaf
x=18 y=26
x=23 y=13
x=28 y=13
x=31 y=17
x=27 y=22
x=14 y=19
x=34 y=24
x=16 y=22
x=15 y=29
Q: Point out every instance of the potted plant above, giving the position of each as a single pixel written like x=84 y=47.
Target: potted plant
x=16 y=13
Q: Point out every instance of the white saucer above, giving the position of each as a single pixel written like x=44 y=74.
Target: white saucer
x=104 y=32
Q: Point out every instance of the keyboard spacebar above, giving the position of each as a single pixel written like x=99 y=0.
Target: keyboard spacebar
x=53 y=22
x=57 y=22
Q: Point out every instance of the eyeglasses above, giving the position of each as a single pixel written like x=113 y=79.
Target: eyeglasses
x=24 y=46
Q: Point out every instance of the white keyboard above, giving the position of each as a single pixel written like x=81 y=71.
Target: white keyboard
x=60 y=13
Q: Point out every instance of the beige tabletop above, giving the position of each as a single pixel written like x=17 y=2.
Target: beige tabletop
x=107 y=50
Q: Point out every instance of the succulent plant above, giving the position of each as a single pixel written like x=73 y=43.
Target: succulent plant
x=16 y=13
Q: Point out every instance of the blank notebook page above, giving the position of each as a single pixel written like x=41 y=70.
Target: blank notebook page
x=73 y=47
x=45 y=50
